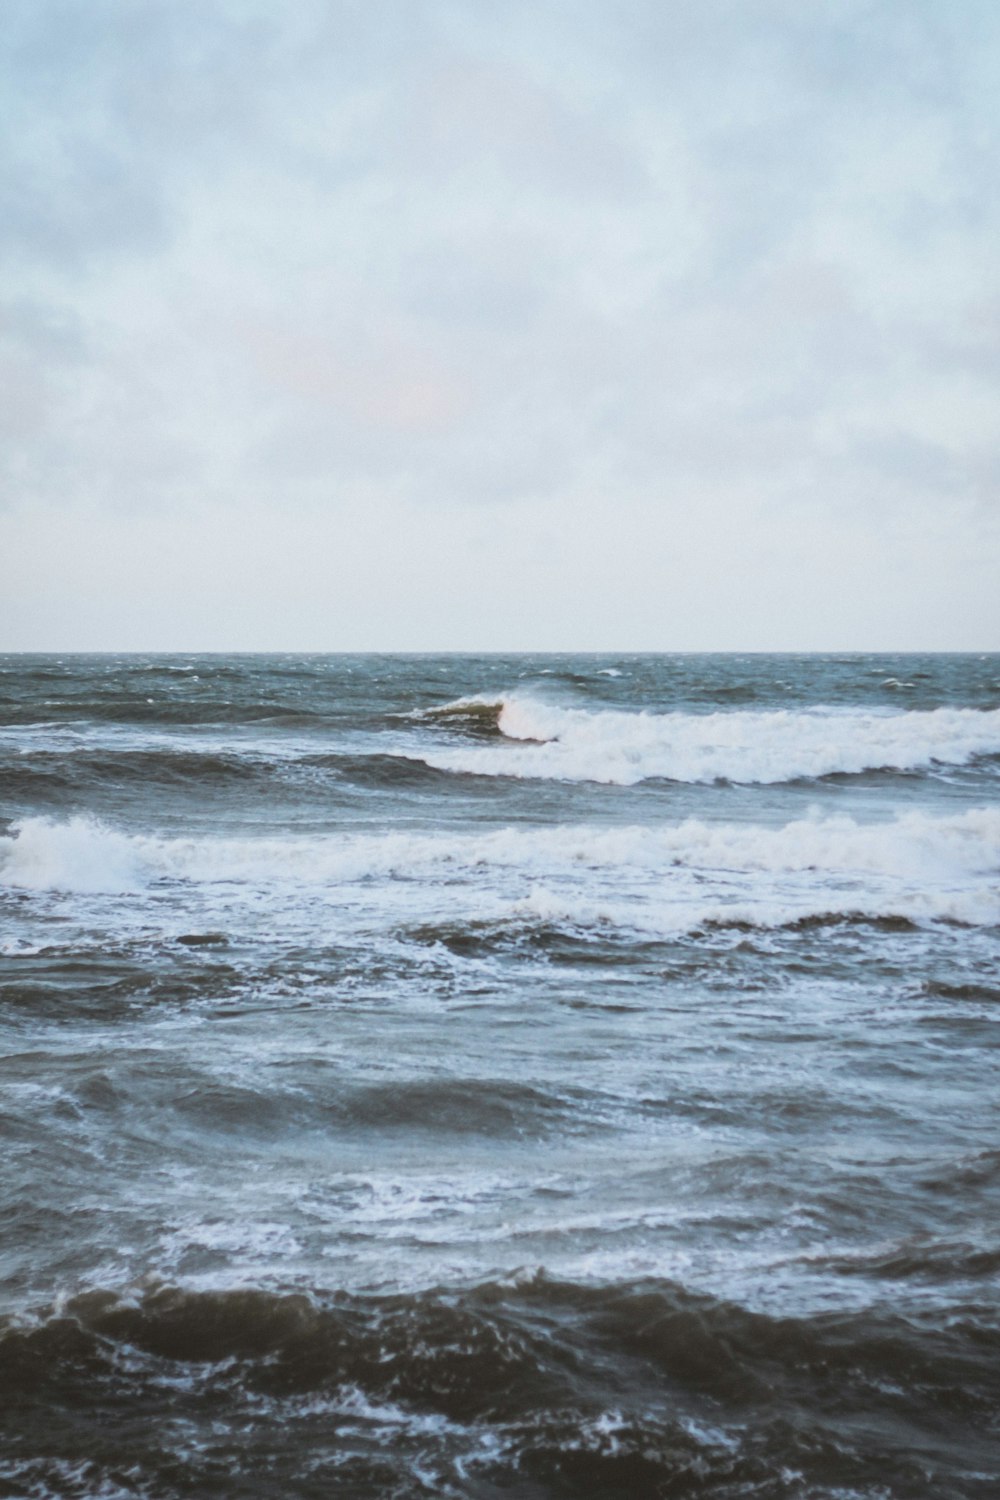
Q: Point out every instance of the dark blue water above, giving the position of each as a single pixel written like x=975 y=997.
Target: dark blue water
x=500 y=1076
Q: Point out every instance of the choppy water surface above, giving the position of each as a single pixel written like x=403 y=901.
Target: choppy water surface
x=527 y=1076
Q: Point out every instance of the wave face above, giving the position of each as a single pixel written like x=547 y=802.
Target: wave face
x=499 y=1077
x=466 y=1394
x=577 y=744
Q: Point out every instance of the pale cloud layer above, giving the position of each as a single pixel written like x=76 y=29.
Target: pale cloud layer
x=615 y=323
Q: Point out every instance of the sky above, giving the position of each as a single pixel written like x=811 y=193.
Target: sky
x=488 y=325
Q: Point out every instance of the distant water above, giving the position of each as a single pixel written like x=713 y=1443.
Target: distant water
x=500 y=1077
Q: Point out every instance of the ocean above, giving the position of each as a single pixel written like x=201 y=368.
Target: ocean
x=500 y=1076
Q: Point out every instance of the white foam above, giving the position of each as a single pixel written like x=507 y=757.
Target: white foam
x=668 y=877
x=74 y=1476
x=80 y=854
x=606 y=745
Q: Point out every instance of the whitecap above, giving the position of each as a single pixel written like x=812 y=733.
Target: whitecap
x=664 y=878
x=622 y=748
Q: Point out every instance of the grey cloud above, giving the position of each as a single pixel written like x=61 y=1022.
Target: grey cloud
x=493 y=281
x=468 y=253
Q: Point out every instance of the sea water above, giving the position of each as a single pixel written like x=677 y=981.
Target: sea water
x=500 y=1076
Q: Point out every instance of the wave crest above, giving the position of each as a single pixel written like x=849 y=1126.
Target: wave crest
x=475 y=716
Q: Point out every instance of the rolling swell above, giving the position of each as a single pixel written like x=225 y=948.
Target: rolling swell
x=427 y=1106
x=56 y=776
x=378 y=771
x=162 y=711
x=533 y=1389
x=62 y=778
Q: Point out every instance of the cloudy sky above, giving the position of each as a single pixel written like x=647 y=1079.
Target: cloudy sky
x=481 y=324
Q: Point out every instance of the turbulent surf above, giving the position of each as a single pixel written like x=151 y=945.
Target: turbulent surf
x=500 y=1076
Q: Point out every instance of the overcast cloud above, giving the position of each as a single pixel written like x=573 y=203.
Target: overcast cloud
x=571 y=324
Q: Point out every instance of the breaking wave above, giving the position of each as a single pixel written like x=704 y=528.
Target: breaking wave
x=914 y=867
x=607 y=745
